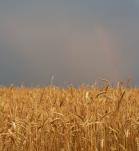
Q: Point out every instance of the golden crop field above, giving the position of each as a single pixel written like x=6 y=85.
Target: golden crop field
x=87 y=118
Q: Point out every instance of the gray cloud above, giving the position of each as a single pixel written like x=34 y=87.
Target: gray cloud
x=75 y=41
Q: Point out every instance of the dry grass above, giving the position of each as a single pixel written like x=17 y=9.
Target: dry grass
x=69 y=119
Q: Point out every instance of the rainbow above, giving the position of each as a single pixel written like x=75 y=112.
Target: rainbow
x=108 y=49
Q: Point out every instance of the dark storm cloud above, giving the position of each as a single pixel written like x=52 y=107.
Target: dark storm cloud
x=76 y=41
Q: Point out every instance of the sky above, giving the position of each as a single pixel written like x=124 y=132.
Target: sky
x=68 y=42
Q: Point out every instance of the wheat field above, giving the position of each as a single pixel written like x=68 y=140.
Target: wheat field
x=87 y=118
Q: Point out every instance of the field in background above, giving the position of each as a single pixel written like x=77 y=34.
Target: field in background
x=69 y=119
